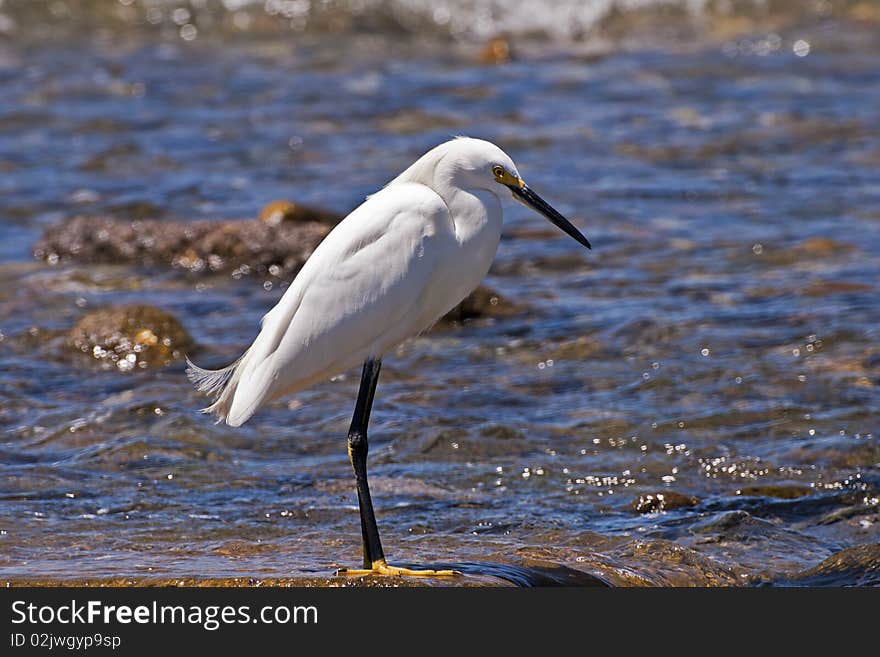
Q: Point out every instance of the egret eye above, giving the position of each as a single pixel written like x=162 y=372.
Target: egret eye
x=498 y=171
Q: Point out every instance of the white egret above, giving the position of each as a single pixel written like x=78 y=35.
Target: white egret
x=393 y=267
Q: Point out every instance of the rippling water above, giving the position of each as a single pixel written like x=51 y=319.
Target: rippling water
x=718 y=347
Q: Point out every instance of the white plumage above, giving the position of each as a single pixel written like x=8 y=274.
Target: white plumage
x=387 y=272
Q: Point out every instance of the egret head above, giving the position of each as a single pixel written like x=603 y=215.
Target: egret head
x=524 y=195
x=467 y=163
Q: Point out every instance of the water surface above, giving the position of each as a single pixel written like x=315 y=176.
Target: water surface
x=717 y=347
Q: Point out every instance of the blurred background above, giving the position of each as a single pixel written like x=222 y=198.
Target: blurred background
x=695 y=401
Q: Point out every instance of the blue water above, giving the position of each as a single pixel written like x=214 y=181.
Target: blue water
x=722 y=334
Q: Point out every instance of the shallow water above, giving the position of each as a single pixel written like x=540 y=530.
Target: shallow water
x=718 y=346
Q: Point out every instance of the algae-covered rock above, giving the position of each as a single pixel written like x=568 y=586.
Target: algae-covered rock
x=662 y=501
x=777 y=491
x=130 y=337
x=239 y=247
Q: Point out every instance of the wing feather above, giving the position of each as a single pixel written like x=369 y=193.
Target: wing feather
x=359 y=295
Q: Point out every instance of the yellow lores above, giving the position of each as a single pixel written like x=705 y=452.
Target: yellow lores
x=504 y=177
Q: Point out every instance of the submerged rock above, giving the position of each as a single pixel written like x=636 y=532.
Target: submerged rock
x=805 y=253
x=662 y=501
x=482 y=302
x=413 y=121
x=278 y=212
x=130 y=337
x=239 y=247
x=580 y=348
x=827 y=288
x=664 y=563
x=855 y=566
x=789 y=133
x=496 y=51
x=777 y=491
x=409 y=487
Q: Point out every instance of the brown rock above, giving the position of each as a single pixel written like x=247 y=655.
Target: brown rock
x=780 y=492
x=662 y=501
x=276 y=212
x=412 y=121
x=827 y=288
x=497 y=51
x=130 y=337
x=239 y=247
x=582 y=347
x=664 y=563
x=868 y=12
x=482 y=302
x=823 y=246
x=855 y=566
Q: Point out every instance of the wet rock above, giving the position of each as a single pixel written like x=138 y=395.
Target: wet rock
x=455 y=445
x=571 y=261
x=397 y=486
x=759 y=547
x=823 y=246
x=646 y=332
x=728 y=523
x=775 y=134
x=136 y=209
x=812 y=507
x=855 y=566
x=502 y=432
x=482 y=302
x=814 y=248
x=277 y=212
x=111 y=158
x=662 y=501
x=828 y=288
x=239 y=247
x=867 y=12
x=408 y=122
x=872 y=361
x=664 y=563
x=496 y=51
x=780 y=491
x=226 y=582
x=581 y=348
x=737 y=531
x=852 y=370
x=868 y=506
x=239 y=548
x=130 y=337
x=534 y=572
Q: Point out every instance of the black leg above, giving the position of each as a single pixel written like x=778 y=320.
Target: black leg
x=357 y=454
x=374 y=557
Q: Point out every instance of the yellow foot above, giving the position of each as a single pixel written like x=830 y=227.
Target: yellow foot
x=383 y=569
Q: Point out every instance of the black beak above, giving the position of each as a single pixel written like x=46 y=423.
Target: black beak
x=527 y=197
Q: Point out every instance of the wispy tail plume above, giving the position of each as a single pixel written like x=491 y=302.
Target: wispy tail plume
x=219 y=385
